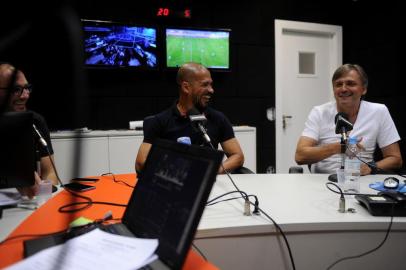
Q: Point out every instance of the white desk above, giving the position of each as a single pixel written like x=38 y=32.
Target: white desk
x=307 y=213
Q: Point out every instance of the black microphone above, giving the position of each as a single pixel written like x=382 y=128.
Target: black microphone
x=199 y=119
x=342 y=125
x=40 y=138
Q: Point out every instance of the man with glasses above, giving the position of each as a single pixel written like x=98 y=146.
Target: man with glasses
x=15 y=92
x=372 y=125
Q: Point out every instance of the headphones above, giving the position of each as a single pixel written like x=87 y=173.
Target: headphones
x=391 y=182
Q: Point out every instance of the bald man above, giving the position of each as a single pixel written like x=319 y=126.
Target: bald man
x=195 y=91
x=15 y=92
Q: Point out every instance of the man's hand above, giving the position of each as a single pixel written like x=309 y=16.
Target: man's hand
x=31 y=191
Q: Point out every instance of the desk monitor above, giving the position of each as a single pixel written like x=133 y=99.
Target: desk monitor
x=17 y=155
x=112 y=44
x=210 y=47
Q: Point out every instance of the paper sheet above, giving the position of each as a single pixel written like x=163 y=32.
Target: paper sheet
x=9 y=196
x=93 y=250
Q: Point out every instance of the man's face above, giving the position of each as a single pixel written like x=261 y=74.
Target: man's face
x=201 y=89
x=17 y=102
x=348 y=90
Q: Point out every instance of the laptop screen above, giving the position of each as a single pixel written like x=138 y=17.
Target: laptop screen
x=170 y=197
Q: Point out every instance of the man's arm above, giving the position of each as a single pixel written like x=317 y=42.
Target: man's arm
x=142 y=156
x=47 y=170
x=392 y=159
x=308 y=152
x=235 y=157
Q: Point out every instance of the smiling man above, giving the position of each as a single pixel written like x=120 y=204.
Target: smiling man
x=18 y=93
x=195 y=92
x=372 y=125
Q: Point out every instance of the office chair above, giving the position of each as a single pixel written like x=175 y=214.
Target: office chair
x=298 y=169
x=242 y=170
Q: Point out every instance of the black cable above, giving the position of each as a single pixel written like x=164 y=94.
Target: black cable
x=227 y=193
x=260 y=210
x=117 y=181
x=29 y=235
x=369 y=251
x=97 y=221
x=225 y=200
x=341 y=192
x=199 y=251
x=281 y=232
x=87 y=204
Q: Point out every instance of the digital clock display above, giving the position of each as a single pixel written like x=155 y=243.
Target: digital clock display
x=168 y=12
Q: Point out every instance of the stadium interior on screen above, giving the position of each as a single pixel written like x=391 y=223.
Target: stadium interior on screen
x=118 y=45
x=210 y=48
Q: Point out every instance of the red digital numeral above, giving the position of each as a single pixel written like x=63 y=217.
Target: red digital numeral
x=163 y=12
x=186 y=13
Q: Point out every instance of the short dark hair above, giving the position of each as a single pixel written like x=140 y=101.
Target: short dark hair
x=344 y=69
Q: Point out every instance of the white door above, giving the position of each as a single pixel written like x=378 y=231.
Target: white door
x=306 y=56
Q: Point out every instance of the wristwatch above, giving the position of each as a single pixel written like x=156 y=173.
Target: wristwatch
x=373 y=167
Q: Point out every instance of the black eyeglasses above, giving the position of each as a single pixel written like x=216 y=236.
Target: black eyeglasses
x=18 y=89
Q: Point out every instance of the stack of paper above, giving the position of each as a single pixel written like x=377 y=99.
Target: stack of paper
x=94 y=250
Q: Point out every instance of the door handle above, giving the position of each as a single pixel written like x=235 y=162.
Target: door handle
x=284 y=117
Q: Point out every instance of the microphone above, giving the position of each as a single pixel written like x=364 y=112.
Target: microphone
x=199 y=119
x=342 y=125
x=40 y=138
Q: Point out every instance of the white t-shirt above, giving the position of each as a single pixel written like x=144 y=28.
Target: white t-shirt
x=373 y=124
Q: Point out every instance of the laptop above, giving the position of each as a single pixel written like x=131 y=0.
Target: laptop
x=166 y=204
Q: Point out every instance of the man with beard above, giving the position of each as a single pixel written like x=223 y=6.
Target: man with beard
x=372 y=125
x=19 y=91
x=195 y=92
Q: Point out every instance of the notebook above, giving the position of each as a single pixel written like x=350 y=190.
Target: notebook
x=167 y=202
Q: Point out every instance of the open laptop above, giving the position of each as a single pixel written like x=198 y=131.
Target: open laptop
x=167 y=202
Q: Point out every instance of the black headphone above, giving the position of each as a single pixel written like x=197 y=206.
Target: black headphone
x=391 y=182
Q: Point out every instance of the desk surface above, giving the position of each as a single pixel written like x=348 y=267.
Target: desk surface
x=297 y=202
x=47 y=219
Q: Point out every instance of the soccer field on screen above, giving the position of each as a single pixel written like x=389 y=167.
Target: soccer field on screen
x=209 y=52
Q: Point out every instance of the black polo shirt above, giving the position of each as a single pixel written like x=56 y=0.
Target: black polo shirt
x=171 y=125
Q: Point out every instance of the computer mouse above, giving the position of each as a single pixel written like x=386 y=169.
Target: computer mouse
x=391 y=182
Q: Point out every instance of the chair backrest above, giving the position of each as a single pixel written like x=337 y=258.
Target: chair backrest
x=295 y=169
x=242 y=170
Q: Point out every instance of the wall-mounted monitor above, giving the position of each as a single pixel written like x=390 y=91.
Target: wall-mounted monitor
x=206 y=46
x=113 y=44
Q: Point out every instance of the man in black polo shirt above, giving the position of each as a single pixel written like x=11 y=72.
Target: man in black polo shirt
x=16 y=101
x=195 y=91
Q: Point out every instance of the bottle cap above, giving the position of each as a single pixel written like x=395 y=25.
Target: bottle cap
x=352 y=140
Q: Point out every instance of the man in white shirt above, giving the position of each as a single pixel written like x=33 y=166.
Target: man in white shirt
x=372 y=125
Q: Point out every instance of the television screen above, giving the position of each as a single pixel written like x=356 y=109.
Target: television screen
x=210 y=48
x=111 y=44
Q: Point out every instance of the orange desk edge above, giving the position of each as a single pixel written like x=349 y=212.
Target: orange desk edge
x=47 y=219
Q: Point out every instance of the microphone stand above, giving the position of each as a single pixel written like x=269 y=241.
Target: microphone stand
x=333 y=177
x=342 y=144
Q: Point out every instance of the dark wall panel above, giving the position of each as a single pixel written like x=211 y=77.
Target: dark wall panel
x=244 y=93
